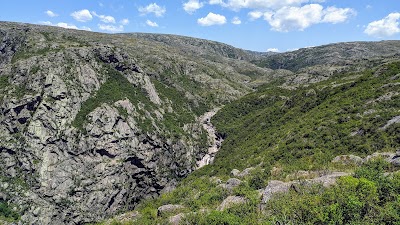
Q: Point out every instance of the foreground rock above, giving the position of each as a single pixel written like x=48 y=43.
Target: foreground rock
x=231 y=201
x=275 y=186
x=390 y=157
x=230 y=184
x=165 y=209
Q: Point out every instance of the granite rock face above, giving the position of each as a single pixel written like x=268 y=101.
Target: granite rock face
x=85 y=131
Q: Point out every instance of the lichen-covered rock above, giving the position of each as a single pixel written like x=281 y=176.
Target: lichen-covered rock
x=348 y=159
x=231 y=183
x=231 y=201
x=164 y=209
x=276 y=186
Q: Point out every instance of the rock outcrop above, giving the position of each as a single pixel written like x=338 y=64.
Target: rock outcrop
x=90 y=124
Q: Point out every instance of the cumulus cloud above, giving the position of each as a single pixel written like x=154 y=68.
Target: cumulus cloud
x=104 y=18
x=255 y=15
x=124 y=22
x=192 y=5
x=51 y=13
x=236 y=20
x=64 y=25
x=82 y=15
x=48 y=23
x=299 y=18
x=272 y=50
x=111 y=28
x=85 y=28
x=337 y=15
x=386 y=27
x=151 y=23
x=259 y=4
x=153 y=8
x=212 y=19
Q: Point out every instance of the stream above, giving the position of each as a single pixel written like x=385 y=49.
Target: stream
x=214 y=140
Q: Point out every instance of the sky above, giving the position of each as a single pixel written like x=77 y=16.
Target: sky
x=258 y=25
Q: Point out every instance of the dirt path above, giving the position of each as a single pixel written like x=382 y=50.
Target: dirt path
x=213 y=139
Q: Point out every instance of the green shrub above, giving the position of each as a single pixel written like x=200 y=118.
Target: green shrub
x=7 y=213
x=3 y=81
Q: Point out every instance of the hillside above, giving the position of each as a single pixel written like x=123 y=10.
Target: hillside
x=319 y=153
x=94 y=125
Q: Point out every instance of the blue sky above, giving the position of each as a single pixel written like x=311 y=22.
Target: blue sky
x=260 y=25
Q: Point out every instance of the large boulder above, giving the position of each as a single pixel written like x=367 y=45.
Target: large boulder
x=231 y=201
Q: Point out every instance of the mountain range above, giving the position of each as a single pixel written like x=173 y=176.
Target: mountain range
x=94 y=125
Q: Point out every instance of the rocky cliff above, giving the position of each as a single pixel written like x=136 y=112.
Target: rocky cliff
x=92 y=123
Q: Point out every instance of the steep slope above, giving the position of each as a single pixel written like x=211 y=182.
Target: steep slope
x=92 y=123
x=303 y=128
x=318 y=153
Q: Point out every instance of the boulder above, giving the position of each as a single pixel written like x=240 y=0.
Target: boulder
x=175 y=220
x=231 y=183
x=231 y=201
x=245 y=172
x=164 y=209
x=275 y=186
x=235 y=172
x=348 y=159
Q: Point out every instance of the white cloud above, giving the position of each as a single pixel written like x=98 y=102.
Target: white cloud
x=124 y=22
x=151 y=23
x=153 y=8
x=85 y=28
x=216 y=2
x=236 y=20
x=255 y=15
x=82 y=15
x=259 y=4
x=386 y=27
x=299 y=18
x=337 y=15
x=103 y=18
x=66 y=25
x=48 y=23
x=212 y=19
x=192 y=5
x=294 y=18
x=51 y=13
x=273 y=50
x=111 y=28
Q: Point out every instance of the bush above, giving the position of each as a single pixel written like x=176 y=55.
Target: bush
x=7 y=213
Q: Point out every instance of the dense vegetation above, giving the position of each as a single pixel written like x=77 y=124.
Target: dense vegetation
x=304 y=129
x=300 y=129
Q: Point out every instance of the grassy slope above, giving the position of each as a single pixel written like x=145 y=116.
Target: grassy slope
x=300 y=129
x=307 y=127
